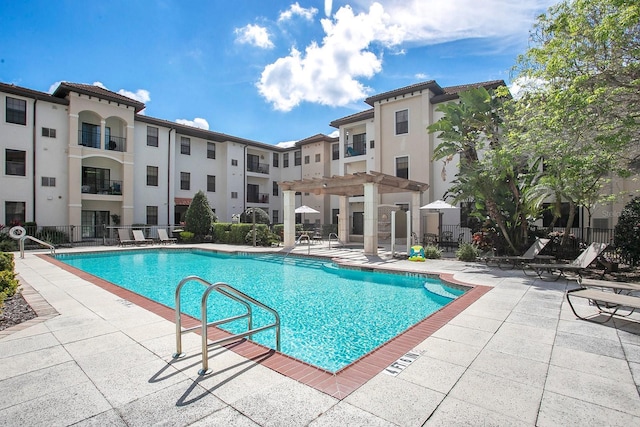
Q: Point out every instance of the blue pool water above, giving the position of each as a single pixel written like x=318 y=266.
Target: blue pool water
x=329 y=316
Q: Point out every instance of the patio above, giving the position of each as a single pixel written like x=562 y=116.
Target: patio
x=516 y=356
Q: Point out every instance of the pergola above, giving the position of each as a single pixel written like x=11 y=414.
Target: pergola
x=370 y=185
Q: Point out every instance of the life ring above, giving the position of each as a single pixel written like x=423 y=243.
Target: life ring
x=416 y=253
x=17 y=232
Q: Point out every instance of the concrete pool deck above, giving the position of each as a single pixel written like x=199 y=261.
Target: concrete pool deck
x=515 y=356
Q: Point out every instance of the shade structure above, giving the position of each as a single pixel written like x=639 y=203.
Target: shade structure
x=438 y=204
x=304 y=209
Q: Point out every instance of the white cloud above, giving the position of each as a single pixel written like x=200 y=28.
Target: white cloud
x=140 y=95
x=327 y=74
x=520 y=86
x=286 y=144
x=331 y=72
x=328 y=6
x=196 y=123
x=296 y=10
x=254 y=35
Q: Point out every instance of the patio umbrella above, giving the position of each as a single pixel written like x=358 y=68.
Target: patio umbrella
x=438 y=205
x=304 y=209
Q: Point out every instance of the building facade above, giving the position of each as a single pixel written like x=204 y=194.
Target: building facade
x=86 y=156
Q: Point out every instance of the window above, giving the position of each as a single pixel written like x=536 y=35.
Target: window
x=152 y=215
x=152 y=136
x=402 y=122
x=185 y=145
x=90 y=135
x=275 y=188
x=48 y=132
x=334 y=216
x=15 y=162
x=48 y=181
x=285 y=160
x=318 y=158
x=276 y=159
x=372 y=144
x=211 y=183
x=211 y=150
x=402 y=167
x=335 y=151
x=234 y=162
x=185 y=180
x=14 y=213
x=234 y=194
x=16 y=111
x=96 y=180
x=275 y=216
x=152 y=176
x=360 y=144
x=297 y=158
x=306 y=160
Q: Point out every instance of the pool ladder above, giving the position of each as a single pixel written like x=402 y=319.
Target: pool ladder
x=233 y=294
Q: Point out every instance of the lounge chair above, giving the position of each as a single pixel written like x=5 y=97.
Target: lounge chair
x=138 y=237
x=576 y=266
x=124 y=238
x=617 y=287
x=164 y=237
x=607 y=303
x=532 y=254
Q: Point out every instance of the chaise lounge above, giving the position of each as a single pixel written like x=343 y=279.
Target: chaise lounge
x=139 y=238
x=164 y=237
x=532 y=254
x=555 y=271
x=124 y=238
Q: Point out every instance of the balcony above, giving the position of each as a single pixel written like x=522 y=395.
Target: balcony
x=258 y=167
x=92 y=139
x=258 y=198
x=103 y=187
x=352 y=150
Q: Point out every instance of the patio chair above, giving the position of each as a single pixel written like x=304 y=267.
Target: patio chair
x=607 y=303
x=124 y=238
x=531 y=254
x=576 y=266
x=139 y=238
x=164 y=237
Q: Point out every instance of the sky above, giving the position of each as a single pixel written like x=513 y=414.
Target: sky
x=272 y=71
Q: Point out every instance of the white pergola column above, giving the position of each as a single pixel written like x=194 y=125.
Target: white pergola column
x=289 y=217
x=371 y=218
x=343 y=219
x=415 y=214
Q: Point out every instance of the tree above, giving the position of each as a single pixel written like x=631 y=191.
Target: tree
x=489 y=173
x=199 y=216
x=627 y=232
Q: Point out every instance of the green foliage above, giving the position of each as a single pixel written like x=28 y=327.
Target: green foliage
x=432 y=252
x=186 y=236
x=238 y=232
x=52 y=235
x=199 y=217
x=8 y=282
x=626 y=235
x=261 y=216
x=264 y=237
x=220 y=232
x=467 y=252
x=6 y=261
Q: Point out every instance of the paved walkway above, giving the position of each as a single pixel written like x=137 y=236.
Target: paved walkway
x=517 y=356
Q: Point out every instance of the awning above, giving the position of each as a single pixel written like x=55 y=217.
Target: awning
x=182 y=201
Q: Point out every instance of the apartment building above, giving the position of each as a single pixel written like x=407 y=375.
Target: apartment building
x=87 y=156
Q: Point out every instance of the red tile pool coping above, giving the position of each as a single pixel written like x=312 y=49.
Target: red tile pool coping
x=339 y=384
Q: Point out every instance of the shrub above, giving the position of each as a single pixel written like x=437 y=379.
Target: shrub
x=626 y=235
x=199 y=217
x=8 y=283
x=186 y=236
x=6 y=261
x=432 y=252
x=264 y=237
x=261 y=216
x=52 y=235
x=467 y=252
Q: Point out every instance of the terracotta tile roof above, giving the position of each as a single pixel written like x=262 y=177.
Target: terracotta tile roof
x=451 y=92
x=63 y=90
x=30 y=93
x=320 y=137
x=418 y=87
x=182 y=201
x=363 y=115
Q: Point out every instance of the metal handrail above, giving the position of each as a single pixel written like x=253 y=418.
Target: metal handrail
x=21 y=244
x=231 y=293
x=308 y=241
x=337 y=239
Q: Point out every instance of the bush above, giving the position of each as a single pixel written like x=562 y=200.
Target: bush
x=432 y=252
x=199 y=217
x=8 y=283
x=264 y=237
x=261 y=216
x=52 y=235
x=626 y=235
x=467 y=252
x=6 y=261
x=186 y=236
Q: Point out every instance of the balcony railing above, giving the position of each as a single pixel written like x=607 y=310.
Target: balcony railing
x=103 y=187
x=92 y=139
x=351 y=150
x=258 y=198
x=258 y=167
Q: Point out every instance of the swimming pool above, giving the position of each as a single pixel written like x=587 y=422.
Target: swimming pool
x=330 y=316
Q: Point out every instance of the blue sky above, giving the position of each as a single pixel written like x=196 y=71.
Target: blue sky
x=272 y=71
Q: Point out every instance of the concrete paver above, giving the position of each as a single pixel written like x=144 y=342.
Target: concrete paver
x=517 y=356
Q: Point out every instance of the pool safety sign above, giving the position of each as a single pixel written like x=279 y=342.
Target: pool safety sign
x=399 y=365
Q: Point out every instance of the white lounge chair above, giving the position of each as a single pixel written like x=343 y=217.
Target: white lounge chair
x=138 y=237
x=164 y=237
x=576 y=266
x=532 y=254
x=124 y=238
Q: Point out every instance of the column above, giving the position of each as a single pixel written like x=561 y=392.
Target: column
x=343 y=219
x=370 y=218
x=289 y=217
x=415 y=214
